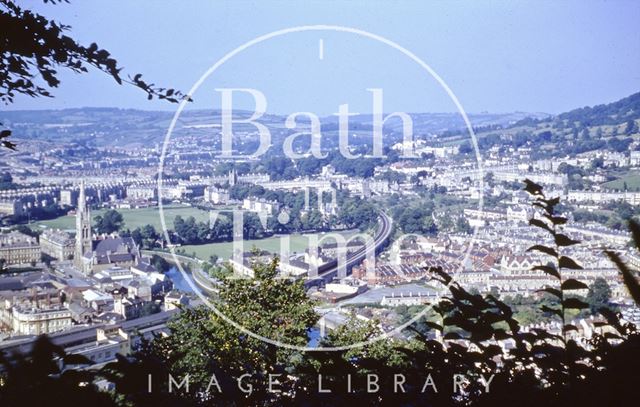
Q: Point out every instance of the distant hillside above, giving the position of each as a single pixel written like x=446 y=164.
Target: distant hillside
x=613 y=126
x=129 y=127
x=615 y=113
x=576 y=131
x=612 y=113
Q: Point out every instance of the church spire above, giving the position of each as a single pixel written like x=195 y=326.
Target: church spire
x=82 y=199
x=83 y=228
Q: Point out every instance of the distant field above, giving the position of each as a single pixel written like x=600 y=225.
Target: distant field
x=133 y=218
x=632 y=180
x=298 y=244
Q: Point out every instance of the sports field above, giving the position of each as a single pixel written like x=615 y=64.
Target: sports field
x=298 y=243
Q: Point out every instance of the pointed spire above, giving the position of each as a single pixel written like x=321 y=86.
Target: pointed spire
x=83 y=227
x=82 y=199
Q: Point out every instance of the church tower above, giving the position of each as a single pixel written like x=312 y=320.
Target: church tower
x=233 y=177
x=83 y=228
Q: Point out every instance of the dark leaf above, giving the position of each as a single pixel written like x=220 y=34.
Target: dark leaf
x=552 y=202
x=452 y=335
x=564 y=240
x=634 y=227
x=544 y=249
x=573 y=284
x=574 y=303
x=570 y=327
x=541 y=224
x=433 y=325
x=612 y=318
x=9 y=145
x=445 y=278
x=532 y=188
x=568 y=263
x=553 y=291
x=551 y=270
x=556 y=220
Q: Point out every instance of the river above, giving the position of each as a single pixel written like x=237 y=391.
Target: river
x=178 y=280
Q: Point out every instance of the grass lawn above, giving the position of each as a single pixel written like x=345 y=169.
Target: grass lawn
x=133 y=218
x=297 y=243
x=632 y=180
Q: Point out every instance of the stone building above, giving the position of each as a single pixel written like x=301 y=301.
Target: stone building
x=18 y=248
x=32 y=320
x=216 y=195
x=149 y=192
x=57 y=244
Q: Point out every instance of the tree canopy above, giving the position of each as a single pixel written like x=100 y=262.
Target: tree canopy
x=111 y=221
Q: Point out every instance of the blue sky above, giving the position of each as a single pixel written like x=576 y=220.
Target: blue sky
x=497 y=56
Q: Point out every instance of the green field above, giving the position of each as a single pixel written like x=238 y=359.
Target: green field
x=133 y=218
x=297 y=244
x=632 y=180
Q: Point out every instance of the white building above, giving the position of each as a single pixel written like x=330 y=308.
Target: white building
x=261 y=206
x=216 y=196
x=29 y=320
